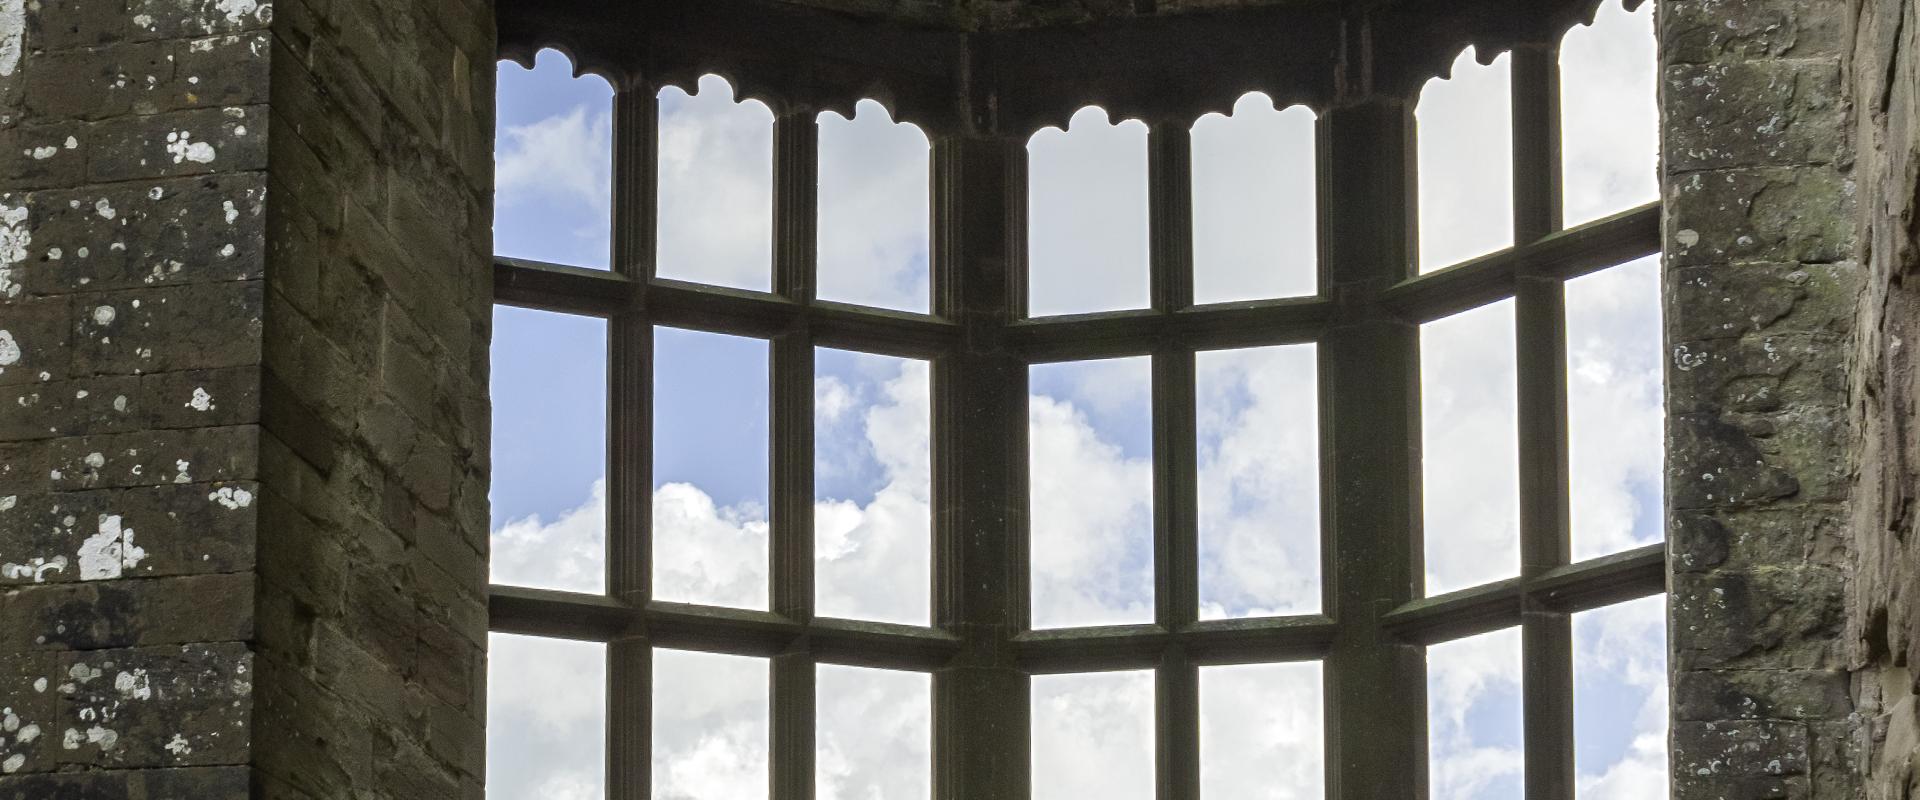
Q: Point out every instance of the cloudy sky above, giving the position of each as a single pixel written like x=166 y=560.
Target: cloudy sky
x=1090 y=431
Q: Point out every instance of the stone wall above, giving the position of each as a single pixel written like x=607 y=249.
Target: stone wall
x=1761 y=282
x=1884 y=612
x=242 y=397
x=132 y=230
x=378 y=306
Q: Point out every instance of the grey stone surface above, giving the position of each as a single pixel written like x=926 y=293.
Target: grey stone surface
x=1762 y=276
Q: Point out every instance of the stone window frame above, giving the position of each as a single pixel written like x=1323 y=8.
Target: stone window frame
x=981 y=650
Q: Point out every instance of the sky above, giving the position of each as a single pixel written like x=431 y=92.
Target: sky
x=1090 y=439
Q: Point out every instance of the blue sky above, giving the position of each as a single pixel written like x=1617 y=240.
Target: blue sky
x=1090 y=429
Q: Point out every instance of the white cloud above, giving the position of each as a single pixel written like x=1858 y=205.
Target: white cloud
x=1259 y=482
x=1087 y=216
x=715 y=187
x=564 y=157
x=875 y=210
x=1092 y=518
x=1466 y=173
x=1261 y=732
x=1093 y=735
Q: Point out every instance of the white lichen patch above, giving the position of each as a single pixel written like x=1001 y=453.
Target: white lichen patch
x=232 y=498
x=104 y=209
x=238 y=10
x=13 y=30
x=178 y=745
x=103 y=315
x=201 y=401
x=15 y=236
x=181 y=146
x=9 y=350
x=133 y=685
x=226 y=207
x=43 y=152
x=13 y=763
x=110 y=552
x=7 y=503
x=180 y=472
x=35 y=569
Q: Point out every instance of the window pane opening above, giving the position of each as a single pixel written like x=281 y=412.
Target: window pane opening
x=1087 y=216
x=875 y=210
x=1469 y=440
x=1466 y=162
x=715 y=187
x=1093 y=736
x=874 y=736
x=542 y=742
x=1474 y=724
x=710 y=468
x=1261 y=732
x=1616 y=408
x=1259 y=481
x=1610 y=120
x=548 y=489
x=710 y=726
x=1620 y=700
x=1090 y=439
x=873 y=487
x=553 y=164
x=1253 y=203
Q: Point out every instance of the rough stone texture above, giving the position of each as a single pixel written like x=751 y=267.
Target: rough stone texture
x=371 y=650
x=132 y=251
x=1761 y=282
x=1884 y=610
x=242 y=397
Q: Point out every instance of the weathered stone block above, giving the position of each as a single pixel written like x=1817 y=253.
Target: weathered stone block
x=106 y=614
x=197 y=326
x=33 y=342
x=1696 y=31
x=1756 y=374
x=1724 y=301
x=1781 y=618
x=1722 y=115
x=150 y=458
x=178 y=231
x=157 y=707
x=29 y=730
x=34 y=156
x=1745 y=539
x=64 y=24
x=1772 y=215
x=193 y=142
x=1715 y=696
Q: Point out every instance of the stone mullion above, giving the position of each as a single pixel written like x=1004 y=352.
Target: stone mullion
x=981 y=711
x=792 y=694
x=1376 y=709
x=1541 y=378
x=630 y=446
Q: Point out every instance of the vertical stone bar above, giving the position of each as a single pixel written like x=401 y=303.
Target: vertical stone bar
x=1541 y=369
x=630 y=444
x=981 y=732
x=796 y=188
x=1369 y=377
x=1175 y=506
